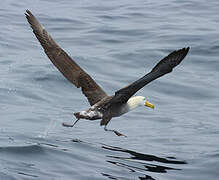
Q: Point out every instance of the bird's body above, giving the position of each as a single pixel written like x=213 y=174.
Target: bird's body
x=103 y=107
x=95 y=112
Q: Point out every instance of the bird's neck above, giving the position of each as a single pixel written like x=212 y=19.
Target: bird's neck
x=132 y=103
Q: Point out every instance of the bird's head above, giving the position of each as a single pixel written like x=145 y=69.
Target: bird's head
x=136 y=101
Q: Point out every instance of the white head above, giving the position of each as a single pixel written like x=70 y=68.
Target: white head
x=136 y=101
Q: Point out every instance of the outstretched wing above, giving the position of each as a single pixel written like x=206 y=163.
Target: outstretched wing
x=165 y=66
x=65 y=64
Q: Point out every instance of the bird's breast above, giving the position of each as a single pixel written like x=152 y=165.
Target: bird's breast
x=119 y=110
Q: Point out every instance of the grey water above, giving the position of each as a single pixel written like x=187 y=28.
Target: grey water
x=116 y=42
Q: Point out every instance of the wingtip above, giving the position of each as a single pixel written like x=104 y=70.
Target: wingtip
x=28 y=13
x=184 y=52
x=186 y=49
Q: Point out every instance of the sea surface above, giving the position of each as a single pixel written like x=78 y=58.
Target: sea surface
x=116 y=42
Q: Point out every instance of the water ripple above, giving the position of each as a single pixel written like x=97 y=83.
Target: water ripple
x=116 y=42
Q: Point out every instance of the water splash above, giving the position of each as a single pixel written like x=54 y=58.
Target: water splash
x=48 y=129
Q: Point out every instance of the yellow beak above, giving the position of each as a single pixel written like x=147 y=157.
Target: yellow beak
x=148 y=104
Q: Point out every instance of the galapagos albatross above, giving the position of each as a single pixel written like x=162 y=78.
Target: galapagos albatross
x=103 y=107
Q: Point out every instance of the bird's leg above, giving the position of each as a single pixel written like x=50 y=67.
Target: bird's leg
x=70 y=125
x=116 y=132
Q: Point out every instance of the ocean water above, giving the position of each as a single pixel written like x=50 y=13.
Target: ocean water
x=116 y=42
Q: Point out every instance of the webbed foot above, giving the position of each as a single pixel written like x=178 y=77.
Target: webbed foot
x=69 y=125
x=116 y=132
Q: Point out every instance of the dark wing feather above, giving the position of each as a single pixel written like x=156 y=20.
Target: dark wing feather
x=65 y=64
x=165 y=66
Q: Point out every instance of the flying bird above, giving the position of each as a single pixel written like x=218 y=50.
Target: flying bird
x=102 y=106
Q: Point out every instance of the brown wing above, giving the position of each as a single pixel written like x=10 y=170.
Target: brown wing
x=65 y=64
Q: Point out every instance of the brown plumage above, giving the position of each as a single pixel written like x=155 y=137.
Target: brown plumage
x=69 y=68
x=102 y=106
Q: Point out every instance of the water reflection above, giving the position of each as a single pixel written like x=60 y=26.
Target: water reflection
x=146 y=177
x=108 y=161
x=138 y=162
x=137 y=165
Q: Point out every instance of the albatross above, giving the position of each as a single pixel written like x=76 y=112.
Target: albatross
x=102 y=106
